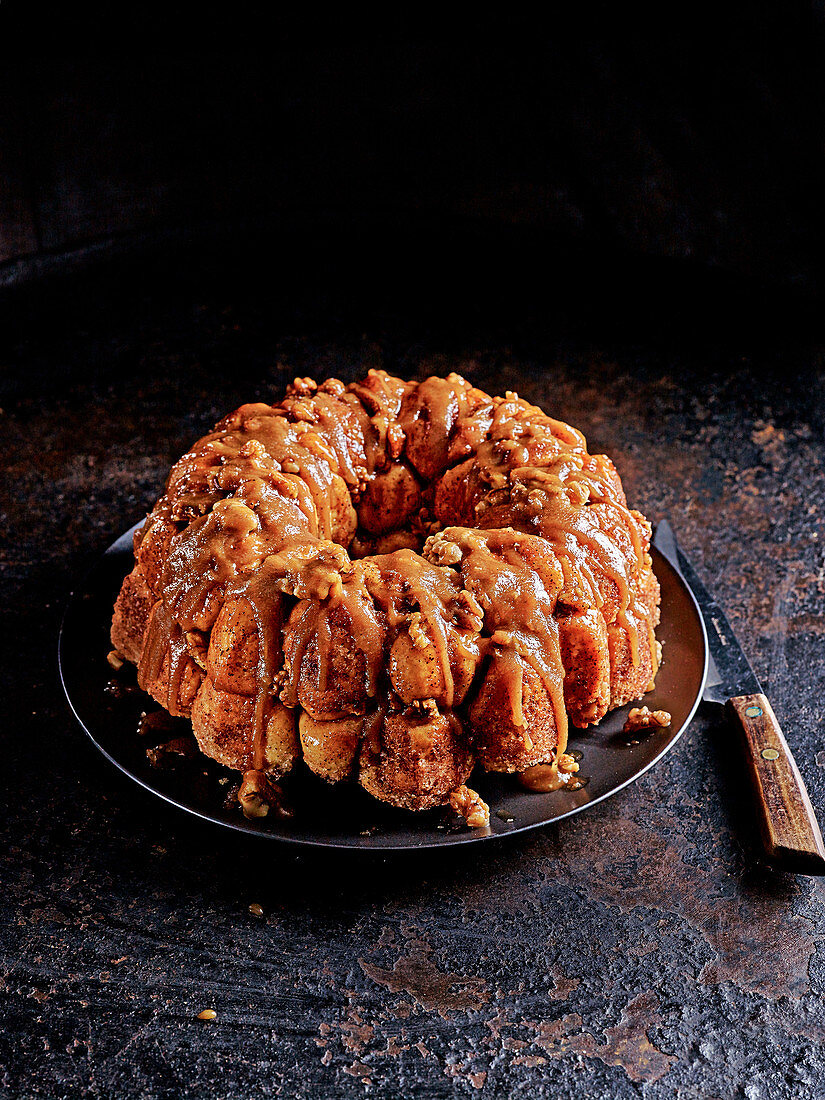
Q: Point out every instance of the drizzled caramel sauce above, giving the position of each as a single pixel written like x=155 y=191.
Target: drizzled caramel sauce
x=532 y=559
x=558 y=775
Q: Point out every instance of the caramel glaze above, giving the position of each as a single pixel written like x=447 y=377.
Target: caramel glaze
x=543 y=778
x=526 y=557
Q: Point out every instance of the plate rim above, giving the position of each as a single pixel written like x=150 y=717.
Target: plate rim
x=450 y=840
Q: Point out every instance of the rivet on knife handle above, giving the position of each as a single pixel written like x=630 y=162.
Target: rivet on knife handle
x=789 y=828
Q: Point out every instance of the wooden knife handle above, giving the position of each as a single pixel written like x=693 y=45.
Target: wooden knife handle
x=788 y=823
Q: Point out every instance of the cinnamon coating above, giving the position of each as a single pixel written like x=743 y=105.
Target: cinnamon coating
x=394 y=580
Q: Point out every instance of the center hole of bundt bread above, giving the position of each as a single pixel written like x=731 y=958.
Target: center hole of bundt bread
x=391 y=513
x=364 y=545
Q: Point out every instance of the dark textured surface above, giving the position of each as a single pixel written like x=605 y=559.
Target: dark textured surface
x=705 y=146
x=640 y=950
x=109 y=708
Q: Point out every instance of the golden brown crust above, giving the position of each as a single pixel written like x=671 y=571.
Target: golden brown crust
x=330 y=746
x=222 y=719
x=390 y=500
x=286 y=593
x=132 y=609
x=632 y=674
x=414 y=762
x=232 y=657
x=344 y=690
x=176 y=679
x=512 y=729
x=584 y=653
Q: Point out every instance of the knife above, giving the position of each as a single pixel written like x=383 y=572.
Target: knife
x=788 y=824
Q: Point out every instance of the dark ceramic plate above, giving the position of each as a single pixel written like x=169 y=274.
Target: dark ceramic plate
x=109 y=708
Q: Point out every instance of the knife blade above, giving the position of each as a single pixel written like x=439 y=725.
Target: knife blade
x=729 y=671
x=788 y=824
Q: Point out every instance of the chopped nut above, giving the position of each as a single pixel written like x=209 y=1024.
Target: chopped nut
x=471 y=806
x=172 y=752
x=115 y=660
x=554 y=776
x=208 y=1014
x=440 y=551
x=418 y=631
x=567 y=764
x=255 y=795
x=304 y=412
x=256 y=910
x=332 y=385
x=424 y=708
x=578 y=491
x=190 y=507
x=303 y=387
x=468 y=600
x=258 y=794
x=279 y=681
x=253 y=448
x=196 y=647
x=642 y=718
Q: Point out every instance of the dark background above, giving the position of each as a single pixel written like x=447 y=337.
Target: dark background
x=704 y=145
x=627 y=231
